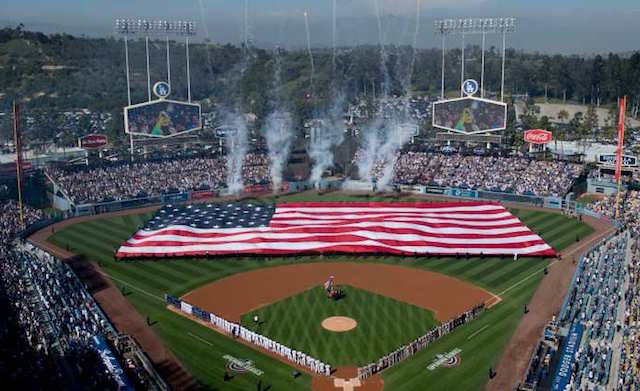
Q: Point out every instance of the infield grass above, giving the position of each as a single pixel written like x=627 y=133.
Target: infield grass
x=201 y=349
x=383 y=324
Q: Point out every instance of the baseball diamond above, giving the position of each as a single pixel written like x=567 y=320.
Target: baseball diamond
x=195 y=342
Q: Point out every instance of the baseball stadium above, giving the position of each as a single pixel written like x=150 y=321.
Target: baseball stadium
x=250 y=216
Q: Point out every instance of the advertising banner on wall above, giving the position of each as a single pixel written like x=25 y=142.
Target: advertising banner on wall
x=611 y=160
x=537 y=136
x=93 y=141
x=568 y=356
x=111 y=363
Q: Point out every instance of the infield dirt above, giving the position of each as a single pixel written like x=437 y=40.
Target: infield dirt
x=236 y=295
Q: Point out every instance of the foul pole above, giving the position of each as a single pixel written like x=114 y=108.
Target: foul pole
x=623 y=104
x=18 y=144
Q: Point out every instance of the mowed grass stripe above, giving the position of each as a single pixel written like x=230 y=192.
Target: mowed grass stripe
x=175 y=273
x=109 y=234
x=485 y=269
x=568 y=237
x=559 y=229
x=118 y=224
x=465 y=265
x=92 y=250
x=537 y=219
x=549 y=223
x=512 y=273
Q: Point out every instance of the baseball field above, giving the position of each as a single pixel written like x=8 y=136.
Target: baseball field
x=384 y=321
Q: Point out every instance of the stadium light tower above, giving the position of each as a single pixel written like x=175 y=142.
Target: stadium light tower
x=148 y=28
x=472 y=26
x=131 y=27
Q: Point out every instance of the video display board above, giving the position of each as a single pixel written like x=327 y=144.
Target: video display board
x=470 y=115
x=162 y=118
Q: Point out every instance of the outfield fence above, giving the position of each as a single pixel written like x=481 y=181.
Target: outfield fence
x=237 y=331
x=420 y=343
x=325 y=185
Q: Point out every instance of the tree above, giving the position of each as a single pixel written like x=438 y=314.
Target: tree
x=591 y=120
x=544 y=123
x=576 y=123
x=115 y=133
x=563 y=116
x=530 y=117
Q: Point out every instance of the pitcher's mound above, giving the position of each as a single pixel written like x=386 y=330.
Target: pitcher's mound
x=339 y=324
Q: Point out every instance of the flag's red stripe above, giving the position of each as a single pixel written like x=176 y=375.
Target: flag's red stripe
x=381 y=215
x=326 y=250
x=336 y=224
x=348 y=204
x=339 y=239
x=345 y=230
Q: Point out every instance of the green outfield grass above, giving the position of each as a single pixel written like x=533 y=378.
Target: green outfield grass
x=383 y=325
x=201 y=349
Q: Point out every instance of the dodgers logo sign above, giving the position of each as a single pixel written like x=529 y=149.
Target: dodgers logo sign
x=470 y=87
x=161 y=89
x=447 y=360
x=241 y=366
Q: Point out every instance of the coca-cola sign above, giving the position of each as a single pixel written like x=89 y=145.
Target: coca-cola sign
x=92 y=141
x=537 y=136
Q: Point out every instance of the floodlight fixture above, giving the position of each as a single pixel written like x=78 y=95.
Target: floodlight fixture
x=475 y=25
x=132 y=26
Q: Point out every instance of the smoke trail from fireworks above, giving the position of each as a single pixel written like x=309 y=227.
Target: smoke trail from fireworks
x=237 y=146
x=333 y=40
x=327 y=136
x=383 y=52
x=278 y=130
x=308 y=32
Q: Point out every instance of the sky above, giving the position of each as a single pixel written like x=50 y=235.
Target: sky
x=550 y=26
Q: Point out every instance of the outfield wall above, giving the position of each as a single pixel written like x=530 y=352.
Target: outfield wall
x=113 y=206
x=238 y=331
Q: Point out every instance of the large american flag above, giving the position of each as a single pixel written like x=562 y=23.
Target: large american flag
x=402 y=228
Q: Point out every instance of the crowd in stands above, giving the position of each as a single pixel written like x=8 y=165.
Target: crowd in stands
x=10 y=219
x=604 y=298
x=147 y=178
x=594 y=300
x=629 y=209
x=415 y=109
x=629 y=363
x=46 y=313
x=58 y=317
x=49 y=320
x=493 y=173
